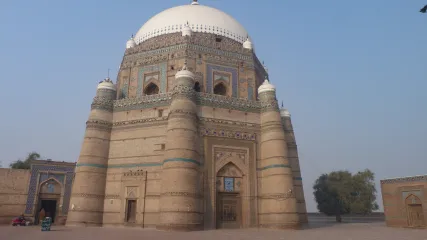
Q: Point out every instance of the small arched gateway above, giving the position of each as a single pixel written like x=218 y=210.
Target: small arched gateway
x=405 y=202
x=49 y=198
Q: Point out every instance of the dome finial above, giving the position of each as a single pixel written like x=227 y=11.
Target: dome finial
x=195 y=2
x=282 y=103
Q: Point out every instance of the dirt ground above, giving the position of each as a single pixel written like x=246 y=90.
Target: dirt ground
x=350 y=231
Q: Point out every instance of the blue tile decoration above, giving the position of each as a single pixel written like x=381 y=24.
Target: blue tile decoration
x=250 y=93
x=161 y=68
x=32 y=188
x=209 y=78
x=45 y=176
x=124 y=90
x=229 y=184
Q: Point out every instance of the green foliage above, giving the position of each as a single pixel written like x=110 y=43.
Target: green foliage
x=26 y=164
x=340 y=192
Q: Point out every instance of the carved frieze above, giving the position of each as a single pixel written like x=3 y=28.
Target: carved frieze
x=182 y=194
x=204 y=99
x=102 y=103
x=112 y=196
x=98 y=124
x=229 y=122
x=405 y=179
x=227 y=134
x=270 y=105
x=140 y=121
x=87 y=195
x=136 y=173
x=279 y=197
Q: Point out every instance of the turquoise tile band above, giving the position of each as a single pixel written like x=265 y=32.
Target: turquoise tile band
x=274 y=166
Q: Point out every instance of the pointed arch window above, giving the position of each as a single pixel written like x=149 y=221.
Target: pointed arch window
x=151 y=89
x=220 y=89
x=197 y=87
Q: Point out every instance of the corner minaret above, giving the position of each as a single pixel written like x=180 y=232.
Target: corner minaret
x=294 y=162
x=180 y=197
x=278 y=205
x=87 y=194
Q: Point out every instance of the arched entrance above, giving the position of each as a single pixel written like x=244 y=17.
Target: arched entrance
x=415 y=213
x=48 y=200
x=229 y=202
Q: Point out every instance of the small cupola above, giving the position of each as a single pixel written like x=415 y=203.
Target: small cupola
x=248 y=44
x=186 y=30
x=130 y=43
x=266 y=86
x=107 y=84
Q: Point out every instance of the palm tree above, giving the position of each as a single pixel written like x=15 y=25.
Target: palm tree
x=26 y=164
x=424 y=9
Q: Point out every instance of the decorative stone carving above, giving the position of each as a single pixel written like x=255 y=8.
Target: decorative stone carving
x=405 y=179
x=98 y=124
x=204 y=99
x=271 y=105
x=102 y=103
x=279 y=197
x=186 y=194
x=140 y=121
x=112 y=196
x=136 y=173
x=227 y=134
x=87 y=195
x=229 y=122
x=131 y=192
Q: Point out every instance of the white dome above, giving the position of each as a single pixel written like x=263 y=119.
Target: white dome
x=130 y=43
x=266 y=86
x=186 y=30
x=248 y=44
x=200 y=18
x=184 y=72
x=107 y=84
x=284 y=112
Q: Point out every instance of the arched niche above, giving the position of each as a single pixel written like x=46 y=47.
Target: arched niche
x=197 y=87
x=151 y=89
x=50 y=186
x=220 y=89
x=412 y=199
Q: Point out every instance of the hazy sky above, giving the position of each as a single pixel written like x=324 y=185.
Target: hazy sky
x=352 y=73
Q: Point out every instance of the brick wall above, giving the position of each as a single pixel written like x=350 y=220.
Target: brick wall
x=13 y=193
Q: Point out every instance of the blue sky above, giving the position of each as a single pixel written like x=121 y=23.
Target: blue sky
x=352 y=74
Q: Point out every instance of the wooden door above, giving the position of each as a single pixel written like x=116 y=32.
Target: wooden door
x=228 y=211
x=415 y=216
x=131 y=211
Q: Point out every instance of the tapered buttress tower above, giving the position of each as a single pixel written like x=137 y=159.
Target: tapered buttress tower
x=190 y=137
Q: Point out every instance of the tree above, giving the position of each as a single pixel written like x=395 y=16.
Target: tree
x=340 y=192
x=26 y=164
